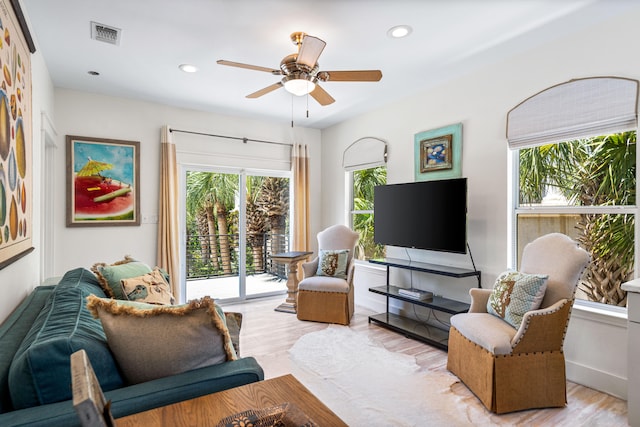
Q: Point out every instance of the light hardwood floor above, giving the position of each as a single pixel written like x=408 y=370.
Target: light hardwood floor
x=267 y=335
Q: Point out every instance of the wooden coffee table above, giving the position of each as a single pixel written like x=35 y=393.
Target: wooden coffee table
x=210 y=409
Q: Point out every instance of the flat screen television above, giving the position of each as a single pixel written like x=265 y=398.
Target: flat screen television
x=429 y=215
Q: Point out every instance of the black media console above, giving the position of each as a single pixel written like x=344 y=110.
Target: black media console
x=436 y=336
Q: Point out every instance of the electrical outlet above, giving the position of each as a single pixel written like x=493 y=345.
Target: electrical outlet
x=149 y=218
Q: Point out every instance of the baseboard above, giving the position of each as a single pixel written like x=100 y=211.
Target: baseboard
x=599 y=380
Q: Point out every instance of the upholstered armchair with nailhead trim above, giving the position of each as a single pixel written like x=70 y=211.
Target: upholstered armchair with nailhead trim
x=511 y=369
x=326 y=292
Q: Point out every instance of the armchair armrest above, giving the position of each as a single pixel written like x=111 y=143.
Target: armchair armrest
x=543 y=329
x=350 y=272
x=479 y=299
x=309 y=268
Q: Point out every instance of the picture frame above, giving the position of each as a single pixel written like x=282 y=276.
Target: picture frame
x=438 y=152
x=103 y=182
x=16 y=153
x=435 y=153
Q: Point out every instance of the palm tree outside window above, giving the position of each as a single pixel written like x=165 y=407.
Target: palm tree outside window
x=364 y=181
x=585 y=188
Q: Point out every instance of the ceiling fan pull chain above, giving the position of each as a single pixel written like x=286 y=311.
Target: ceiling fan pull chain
x=291 y=110
x=307 y=105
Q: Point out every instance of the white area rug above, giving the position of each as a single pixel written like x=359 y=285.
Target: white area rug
x=367 y=385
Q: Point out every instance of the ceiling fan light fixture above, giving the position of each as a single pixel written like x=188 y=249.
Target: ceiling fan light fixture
x=299 y=86
x=399 y=31
x=302 y=73
x=188 y=68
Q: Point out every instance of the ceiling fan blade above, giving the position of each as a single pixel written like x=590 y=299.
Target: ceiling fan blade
x=310 y=51
x=322 y=96
x=249 y=66
x=353 y=76
x=265 y=90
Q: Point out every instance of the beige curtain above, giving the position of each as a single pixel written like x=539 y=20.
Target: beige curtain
x=300 y=165
x=168 y=235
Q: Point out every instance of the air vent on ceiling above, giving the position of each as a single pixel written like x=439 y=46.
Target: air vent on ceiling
x=105 y=33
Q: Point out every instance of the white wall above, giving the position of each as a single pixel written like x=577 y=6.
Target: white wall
x=596 y=350
x=85 y=114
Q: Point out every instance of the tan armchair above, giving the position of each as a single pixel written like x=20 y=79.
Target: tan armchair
x=327 y=298
x=508 y=369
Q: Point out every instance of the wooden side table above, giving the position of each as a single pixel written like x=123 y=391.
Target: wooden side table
x=292 y=259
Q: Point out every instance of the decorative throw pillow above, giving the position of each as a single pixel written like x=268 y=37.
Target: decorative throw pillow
x=514 y=294
x=110 y=275
x=150 y=341
x=164 y=273
x=234 y=323
x=151 y=288
x=333 y=263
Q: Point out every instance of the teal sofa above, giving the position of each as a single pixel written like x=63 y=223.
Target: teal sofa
x=37 y=339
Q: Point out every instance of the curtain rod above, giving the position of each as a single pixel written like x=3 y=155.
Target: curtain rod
x=244 y=140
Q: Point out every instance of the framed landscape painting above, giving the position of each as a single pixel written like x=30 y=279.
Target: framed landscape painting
x=16 y=164
x=103 y=182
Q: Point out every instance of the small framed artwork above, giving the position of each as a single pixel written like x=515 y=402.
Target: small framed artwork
x=435 y=153
x=438 y=153
x=103 y=182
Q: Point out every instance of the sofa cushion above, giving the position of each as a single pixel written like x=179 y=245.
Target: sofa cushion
x=151 y=288
x=151 y=341
x=514 y=294
x=12 y=332
x=324 y=284
x=333 y=263
x=110 y=275
x=486 y=330
x=40 y=372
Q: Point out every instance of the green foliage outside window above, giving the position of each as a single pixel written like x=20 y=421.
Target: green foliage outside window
x=364 y=182
x=599 y=171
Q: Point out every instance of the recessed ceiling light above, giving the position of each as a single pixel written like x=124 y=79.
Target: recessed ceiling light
x=399 y=31
x=188 y=68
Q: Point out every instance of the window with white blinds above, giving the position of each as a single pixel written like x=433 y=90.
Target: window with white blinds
x=365 y=153
x=574 y=172
x=575 y=109
x=364 y=163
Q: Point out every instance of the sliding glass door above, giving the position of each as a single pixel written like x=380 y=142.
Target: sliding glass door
x=234 y=220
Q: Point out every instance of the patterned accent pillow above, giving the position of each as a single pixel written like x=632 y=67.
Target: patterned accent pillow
x=516 y=293
x=110 y=275
x=234 y=323
x=151 y=288
x=150 y=341
x=333 y=263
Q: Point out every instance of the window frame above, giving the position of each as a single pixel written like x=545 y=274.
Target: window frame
x=350 y=212
x=515 y=210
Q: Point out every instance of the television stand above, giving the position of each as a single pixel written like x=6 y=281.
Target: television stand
x=430 y=334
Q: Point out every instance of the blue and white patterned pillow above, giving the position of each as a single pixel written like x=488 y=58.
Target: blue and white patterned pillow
x=516 y=293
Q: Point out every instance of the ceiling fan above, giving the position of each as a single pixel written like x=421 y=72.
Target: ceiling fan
x=302 y=73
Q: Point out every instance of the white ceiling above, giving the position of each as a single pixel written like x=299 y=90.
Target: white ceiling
x=449 y=38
